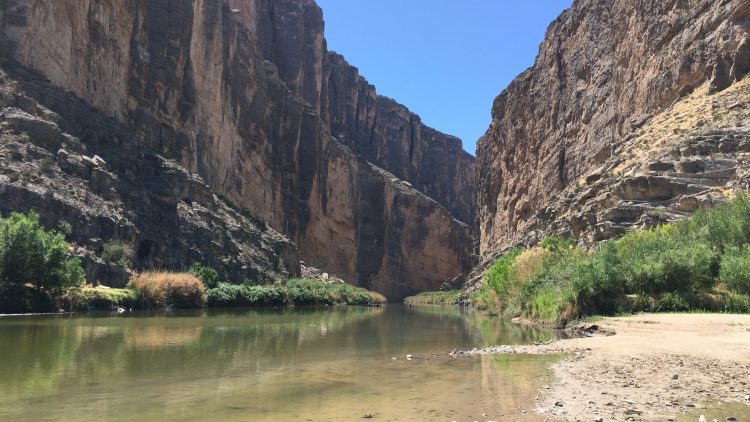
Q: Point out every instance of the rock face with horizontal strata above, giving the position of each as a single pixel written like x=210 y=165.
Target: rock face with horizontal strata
x=555 y=158
x=245 y=94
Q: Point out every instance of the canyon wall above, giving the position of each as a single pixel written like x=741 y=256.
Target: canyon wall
x=245 y=94
x=594 y=137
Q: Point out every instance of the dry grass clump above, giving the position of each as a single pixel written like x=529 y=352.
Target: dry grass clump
x=527 y=265
x=377 y=297
x=164 y=289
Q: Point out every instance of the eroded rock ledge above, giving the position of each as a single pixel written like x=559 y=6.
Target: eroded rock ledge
x=632 y=114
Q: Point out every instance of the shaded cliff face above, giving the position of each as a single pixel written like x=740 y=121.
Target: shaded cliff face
x=245 y=94
x=571 y=150
x=82 y=168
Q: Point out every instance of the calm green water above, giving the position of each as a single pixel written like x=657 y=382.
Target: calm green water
x=255 y=365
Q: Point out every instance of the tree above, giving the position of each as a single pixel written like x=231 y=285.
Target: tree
x=31 y=255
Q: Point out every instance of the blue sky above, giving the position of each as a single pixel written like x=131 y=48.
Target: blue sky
x=444 y=59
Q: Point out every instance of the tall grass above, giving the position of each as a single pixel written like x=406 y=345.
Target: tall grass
x=163 y=289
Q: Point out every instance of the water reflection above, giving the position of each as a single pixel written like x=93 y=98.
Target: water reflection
x=251 y=364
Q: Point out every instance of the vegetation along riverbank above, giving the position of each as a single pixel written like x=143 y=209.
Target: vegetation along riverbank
x=701 y=263
x=38 y=273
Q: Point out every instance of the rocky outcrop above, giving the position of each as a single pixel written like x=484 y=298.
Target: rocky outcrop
x=244 y=94
x=89 y=172
x=618 y=122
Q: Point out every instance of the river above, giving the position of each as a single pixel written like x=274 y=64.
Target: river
x=295 y=364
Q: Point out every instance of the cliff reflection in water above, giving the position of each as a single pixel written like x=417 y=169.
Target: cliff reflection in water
x=268 y=363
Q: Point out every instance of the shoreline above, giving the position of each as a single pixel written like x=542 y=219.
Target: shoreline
x=656 y=367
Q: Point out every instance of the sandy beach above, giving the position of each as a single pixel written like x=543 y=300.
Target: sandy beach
x=655 y=367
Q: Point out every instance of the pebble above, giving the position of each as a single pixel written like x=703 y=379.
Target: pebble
x=558 y=403
x=702 y=419
x=408 y=357
x=599 y=420
x=675 y=376
x=367 y=416
x=731 y=418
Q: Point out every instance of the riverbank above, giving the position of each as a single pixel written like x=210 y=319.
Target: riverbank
x=656 y=367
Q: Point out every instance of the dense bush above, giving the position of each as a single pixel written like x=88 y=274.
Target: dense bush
x=101 y=298
x=208 y=275
x=34 y=263
x=671 y=268
x=724 y=226
x=449 y=297
x=291 y=292
x=496 y=287
x=557 y=244
x=735 y=269
x=225 y=294
x=315 y=292
x=162 y=289
x=497 y=275
x=671 y=302
x=660 y=260
x=118 y=253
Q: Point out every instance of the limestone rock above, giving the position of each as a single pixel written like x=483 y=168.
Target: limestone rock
x=247 y=96
x=618 y=100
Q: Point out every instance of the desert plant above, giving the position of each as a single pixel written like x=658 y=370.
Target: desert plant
x=497 y=275
x=164 y=289
x=671 y=302
x=208 y=275
x=724 y=226
x=557 y=244
x=434 y=298
x=118 y=252
x=46 y=164
x=660 y=260
x=100 y=298
x=735 y=269
x=225 y=294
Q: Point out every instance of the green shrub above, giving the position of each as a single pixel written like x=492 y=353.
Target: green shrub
x=724 y=226
x=735 y=269
x=497 y=275
x=671 y=268
x=659 y=260
x=46 y=164
x=29 y=254
x=208 y=275
x=557 y=244
x=642 y=303
x=225 y=294
x=736 y=303
x=117 y=252
x=549 y=295
x=671 y=302
x=163 y=289
x=485 y=299
x=291 y=292
x=100 y=298
x=434 y=298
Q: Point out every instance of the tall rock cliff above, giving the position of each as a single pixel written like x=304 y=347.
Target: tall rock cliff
x=624 y=119
x=245 y=94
